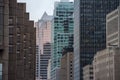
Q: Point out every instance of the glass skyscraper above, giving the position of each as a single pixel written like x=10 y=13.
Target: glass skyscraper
x=62 y=32
x=89 y=31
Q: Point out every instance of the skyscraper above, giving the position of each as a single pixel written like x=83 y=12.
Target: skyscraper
x=62 y=32
x=17 y=50
x=89 y=31
x=106 y=62
x=4 y=39
x=22 y=42
x=43 y=41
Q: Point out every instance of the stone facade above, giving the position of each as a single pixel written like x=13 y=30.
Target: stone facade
x=17 y=42
x=106 y=64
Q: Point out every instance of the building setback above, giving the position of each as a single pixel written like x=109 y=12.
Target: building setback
x=89 y=31
x=62 y=33
x=106 y=64
x=17 y=42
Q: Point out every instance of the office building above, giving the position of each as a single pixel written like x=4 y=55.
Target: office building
x=4 y=39
x=106 y=64
x=43 y=43
x=89 y=31
x=12 y=63
x=88 y=72
x=62 y=33
x=43 y=31
x=22 y=43
x=66 y=67
x=44 y=58
x=112 y=28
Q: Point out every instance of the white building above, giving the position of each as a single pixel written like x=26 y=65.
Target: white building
x=113 y=28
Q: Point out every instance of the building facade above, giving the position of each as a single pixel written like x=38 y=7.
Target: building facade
x=88 y=72
x=22 y=43
x=44 y=58
x=106 y=64
x=112 y=28
x=66 y=67
x=89 y=31
x=62 y=33
x=15 y=64
x=4 y=39
x=43 y=43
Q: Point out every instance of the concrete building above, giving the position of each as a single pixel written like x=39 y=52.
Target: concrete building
x=106 y=64
x=89 y=31
x=62 y=33
x=22 y=43
x=66 y=67
x=4 y=39
x=17 y=59
x=43 y=43
x=15 y=64
x=88 y=72
x=113 y=28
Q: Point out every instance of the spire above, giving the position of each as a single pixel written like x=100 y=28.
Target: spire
x=44 y=15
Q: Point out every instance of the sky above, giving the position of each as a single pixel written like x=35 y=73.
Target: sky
x=36 y=8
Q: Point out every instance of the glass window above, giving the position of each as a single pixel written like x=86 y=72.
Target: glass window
x=1 y=40
x=0 y=71
x=1 y=18
x=1 y=9
x=1 y=30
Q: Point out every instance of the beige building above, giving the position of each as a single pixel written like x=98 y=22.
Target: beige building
x=113 y=28
x=106 y=64
x=88 y=72
x=66 y=67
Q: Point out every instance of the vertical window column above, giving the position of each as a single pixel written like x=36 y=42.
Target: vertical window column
x=1 y=71
x=1 y=25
